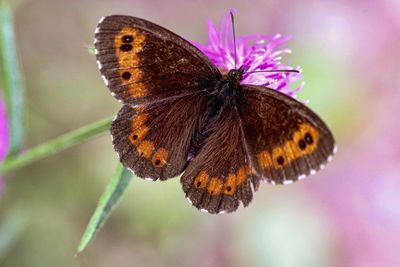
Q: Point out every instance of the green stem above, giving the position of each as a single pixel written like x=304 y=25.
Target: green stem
x=56 y=145
x=12 y=79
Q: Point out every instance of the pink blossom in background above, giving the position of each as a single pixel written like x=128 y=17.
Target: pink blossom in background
x=3 y=137
x=254 y=53
x=362 y=199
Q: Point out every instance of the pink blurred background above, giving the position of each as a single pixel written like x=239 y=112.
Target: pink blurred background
x=347 y=215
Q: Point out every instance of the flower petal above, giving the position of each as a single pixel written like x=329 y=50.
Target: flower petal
x=254 y=53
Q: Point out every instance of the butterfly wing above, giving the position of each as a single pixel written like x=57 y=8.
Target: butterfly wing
x=286 y=140
x=154 y=140
x=161 y=78
x=220 y=177
x=142 y=62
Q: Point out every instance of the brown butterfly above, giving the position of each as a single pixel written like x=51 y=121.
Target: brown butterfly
x=181 y=114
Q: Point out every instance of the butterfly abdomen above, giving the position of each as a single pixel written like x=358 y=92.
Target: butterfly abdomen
x=223 y=94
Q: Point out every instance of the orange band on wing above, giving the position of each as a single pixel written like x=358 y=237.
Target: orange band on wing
x=304 y=141
x=128 y=44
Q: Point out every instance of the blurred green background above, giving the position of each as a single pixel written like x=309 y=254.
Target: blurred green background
x=346 y=215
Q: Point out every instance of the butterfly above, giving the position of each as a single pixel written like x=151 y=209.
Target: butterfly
x=180 y=114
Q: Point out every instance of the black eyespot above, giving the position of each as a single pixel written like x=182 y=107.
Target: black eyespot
x=157 y=162
x=198 y=184
x=228 y=188
x=309 y=139
x=126 y=75
x=126 y=47
x=135 y=137
x=127 y=38
x=302 y=144
x=280 y=160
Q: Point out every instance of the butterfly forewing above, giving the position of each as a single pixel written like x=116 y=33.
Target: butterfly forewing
x=142 y=62
x=286 y=140
x=220 y=176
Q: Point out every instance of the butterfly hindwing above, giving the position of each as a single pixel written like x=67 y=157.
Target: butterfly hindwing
x=286 y=140
x=152 y=139
x=220 y=176
x=142 y=62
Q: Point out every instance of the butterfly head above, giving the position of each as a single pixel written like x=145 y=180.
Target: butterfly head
x=236 y=74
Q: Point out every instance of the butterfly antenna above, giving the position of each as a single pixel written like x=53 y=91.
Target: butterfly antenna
x=234 y=35
x=258 y=71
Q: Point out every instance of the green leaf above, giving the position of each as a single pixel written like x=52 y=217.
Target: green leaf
x=107 y=202
x=12 y=78
x=12 y=226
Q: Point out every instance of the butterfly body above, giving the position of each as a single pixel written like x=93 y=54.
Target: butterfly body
x=182 y=115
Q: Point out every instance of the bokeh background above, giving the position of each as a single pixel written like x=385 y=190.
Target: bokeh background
x=346 y=215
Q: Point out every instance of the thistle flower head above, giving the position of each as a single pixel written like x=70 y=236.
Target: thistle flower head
x=254 y=53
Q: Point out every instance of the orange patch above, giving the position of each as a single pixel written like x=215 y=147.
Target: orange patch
x=215 y=186
x=160 y=157
x=279 y=158
x=304 y=142
x=241 y=176
x=299 y=146
x=264 y=160
x=201 y=180
x=230 y=185
x=249 y=170
x=308 y=129
x=138 y=121
x=138 y=135
x=292 y=150
x=137 y=90
x=129 y=60
x=145 y=149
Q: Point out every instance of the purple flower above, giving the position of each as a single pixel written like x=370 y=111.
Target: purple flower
x=254 y=53
x=3 y=137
